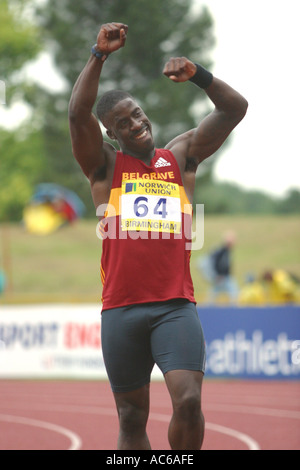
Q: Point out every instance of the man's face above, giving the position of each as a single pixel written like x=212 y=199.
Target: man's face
x=127 y=123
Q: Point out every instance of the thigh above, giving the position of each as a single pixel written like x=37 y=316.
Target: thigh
x=126 y=348
x=177 y=339
x=185 y=386
x=184 y=383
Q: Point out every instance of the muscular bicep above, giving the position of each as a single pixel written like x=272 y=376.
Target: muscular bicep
x=230 y=108
x=209 y=136
x=87 y=144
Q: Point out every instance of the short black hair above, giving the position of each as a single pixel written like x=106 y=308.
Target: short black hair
x=109 y=100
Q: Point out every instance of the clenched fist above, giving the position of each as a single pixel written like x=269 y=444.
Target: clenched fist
x=111 y=37
x=179 y=69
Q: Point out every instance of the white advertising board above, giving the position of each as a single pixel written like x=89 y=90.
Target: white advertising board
x=58 y=341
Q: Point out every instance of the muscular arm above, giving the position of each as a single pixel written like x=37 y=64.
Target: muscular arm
x=87 y=141
x=230 y=108
x=86 y=136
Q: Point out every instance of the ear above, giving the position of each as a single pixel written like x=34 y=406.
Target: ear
x=110 y=134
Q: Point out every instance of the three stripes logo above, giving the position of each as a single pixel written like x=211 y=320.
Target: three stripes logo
x=161 y=162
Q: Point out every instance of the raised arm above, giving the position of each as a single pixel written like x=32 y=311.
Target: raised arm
x=230 y=108
x=86 y=136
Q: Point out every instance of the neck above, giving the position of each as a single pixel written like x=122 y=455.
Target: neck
x=145 y=157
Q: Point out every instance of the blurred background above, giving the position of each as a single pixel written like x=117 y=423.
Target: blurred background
x=48 y=245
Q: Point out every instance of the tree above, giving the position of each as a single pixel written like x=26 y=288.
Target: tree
x=157 y=31
x=21 y=166
x=19 y=43
x=22 y=149
x=291 y=203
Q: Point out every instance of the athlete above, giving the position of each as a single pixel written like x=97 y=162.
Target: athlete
x=148 y=311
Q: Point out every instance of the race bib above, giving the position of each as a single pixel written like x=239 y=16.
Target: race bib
x=148 y=205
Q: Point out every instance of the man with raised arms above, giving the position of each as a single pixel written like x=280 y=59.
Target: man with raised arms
x=148 y=312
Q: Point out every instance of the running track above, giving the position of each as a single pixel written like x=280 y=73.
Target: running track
x=61 y=415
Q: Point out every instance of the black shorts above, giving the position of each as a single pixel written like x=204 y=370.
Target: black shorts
x=136 y=337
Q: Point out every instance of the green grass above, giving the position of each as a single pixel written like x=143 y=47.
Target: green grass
x=64 y=266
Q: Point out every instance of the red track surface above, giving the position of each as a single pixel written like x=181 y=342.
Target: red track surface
x=50 y=415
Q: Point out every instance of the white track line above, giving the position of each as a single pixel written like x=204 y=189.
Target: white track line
x=76 y=441
x=249 y=441
x=74 y=438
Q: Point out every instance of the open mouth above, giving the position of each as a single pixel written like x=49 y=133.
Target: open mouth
x=141 y=134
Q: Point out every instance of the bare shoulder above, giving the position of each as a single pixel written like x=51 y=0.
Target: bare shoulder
x=179 y=146
x=109 y=149
x=181 y=142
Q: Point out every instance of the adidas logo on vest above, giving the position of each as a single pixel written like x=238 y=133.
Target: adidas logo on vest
x=161 y=162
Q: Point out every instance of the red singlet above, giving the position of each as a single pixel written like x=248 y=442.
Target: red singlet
x=146 y=233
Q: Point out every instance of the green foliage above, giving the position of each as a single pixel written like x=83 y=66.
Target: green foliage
x=21 y=165
x=157 y=30
x=22 y=149
x=67 y=29
x=291 y=203
x=227 y=198
x=41 y=151
x=18 y=37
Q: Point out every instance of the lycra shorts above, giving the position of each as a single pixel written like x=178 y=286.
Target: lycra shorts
x=136 y=337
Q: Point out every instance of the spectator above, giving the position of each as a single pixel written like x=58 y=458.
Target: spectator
x=217 y=269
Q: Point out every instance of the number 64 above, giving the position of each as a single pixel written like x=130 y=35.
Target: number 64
x=141 y=209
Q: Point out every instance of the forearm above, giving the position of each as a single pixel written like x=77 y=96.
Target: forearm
x=85 y=90
x=111 y=37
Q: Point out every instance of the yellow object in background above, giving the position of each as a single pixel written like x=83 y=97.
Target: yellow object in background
x=280 y=287
x=42 y=219
x=252 y=294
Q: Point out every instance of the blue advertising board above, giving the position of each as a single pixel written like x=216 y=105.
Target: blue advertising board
x=258 y=342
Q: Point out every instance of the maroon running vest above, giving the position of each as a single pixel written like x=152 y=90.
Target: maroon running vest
x=146 y=233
